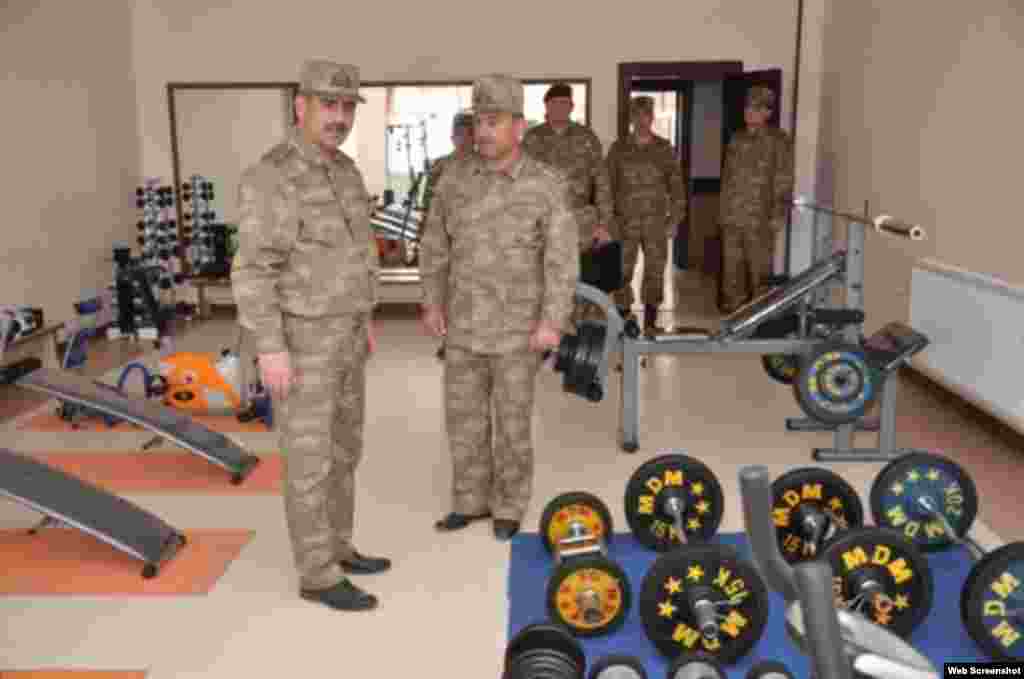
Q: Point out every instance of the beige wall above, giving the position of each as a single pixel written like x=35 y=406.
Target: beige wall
x=193 y=40
x=920 y=117
x=70 y=159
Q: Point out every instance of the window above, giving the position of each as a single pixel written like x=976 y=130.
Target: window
x=402 y=125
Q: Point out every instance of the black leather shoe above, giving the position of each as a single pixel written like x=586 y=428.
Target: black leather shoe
x=342 y=597
x=363 y=565
x=456 y=521
x=505 y=529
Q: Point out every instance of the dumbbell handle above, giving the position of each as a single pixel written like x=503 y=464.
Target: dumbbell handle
x=756 y=493
x=813 y=580
x=973 y=547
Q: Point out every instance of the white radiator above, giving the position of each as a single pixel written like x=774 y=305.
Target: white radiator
x=976 y=327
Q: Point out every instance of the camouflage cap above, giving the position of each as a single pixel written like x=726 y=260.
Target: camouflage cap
x=642 y=103
x=330 y=81
x=463 y=119
x=498 y=94
x=760 y=97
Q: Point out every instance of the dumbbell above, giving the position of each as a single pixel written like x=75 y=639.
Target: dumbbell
x=673 y=499
x=587 y=593
x=810 y=506
x=618 y=666
x=696 y=596
x=544 y=651
x=932 y=501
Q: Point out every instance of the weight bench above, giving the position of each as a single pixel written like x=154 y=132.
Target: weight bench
x=65 y=499
x=162 y=420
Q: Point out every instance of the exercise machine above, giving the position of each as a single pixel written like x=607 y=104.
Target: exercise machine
x=777 y=322
x=167 y=423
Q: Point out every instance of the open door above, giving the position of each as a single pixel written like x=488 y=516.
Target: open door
x=734 y=94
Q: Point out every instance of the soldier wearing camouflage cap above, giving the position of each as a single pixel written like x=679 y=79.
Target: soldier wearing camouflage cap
x=757 y=188
x=499 y=262
x=462 y=140
x=577 y=151
x=304 y=280
x=650 y=200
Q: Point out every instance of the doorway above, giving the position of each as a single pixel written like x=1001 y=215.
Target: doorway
x=698 y=107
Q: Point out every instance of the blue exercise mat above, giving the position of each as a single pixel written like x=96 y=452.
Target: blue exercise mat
x=941 y=637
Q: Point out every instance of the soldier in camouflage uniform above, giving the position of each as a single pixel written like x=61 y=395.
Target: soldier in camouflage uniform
x=499 y=263
x=462 y=139
x=650 y=199
x=757 y=188
x=576 y=150
x=304 y=282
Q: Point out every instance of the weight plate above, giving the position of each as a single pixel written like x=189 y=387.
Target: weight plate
x=898 y=491
x=577 y=506
x=618 y=666
x=548 y=636
x=992 y=603
x=696 y=665
x=590 y=595
x=782 y=368
x=769 y=669
x=673 y=476
x=810 y=496
x=711 y=573
x=835 y=384
x=882 y=556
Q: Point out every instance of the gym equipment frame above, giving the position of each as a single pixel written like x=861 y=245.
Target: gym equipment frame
x=800 y=292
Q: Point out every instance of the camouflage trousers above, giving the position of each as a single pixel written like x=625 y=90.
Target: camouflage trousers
x=650 y=234
x=321 y=435
x=746 y=260
x=489 y=418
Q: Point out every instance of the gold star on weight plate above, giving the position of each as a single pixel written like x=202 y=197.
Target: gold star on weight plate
x=933 y=475
x=897 y=489
x=835 y=503
x=913 y=475
x=695 y=573
x=673 y=585
x=902 y=602
x=703 y=507
x=693 y=524
x=697 y=488
x=666 y=609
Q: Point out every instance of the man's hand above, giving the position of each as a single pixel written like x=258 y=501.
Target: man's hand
x=602 y=235
x=545 y=336
x=276 y=374
x=434 y=321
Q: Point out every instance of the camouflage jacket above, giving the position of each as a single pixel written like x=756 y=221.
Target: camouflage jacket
x=757 y=180
x=500 y=253
x=436 y=168
x=647 y=180
x=305 y=246
x=576 y=152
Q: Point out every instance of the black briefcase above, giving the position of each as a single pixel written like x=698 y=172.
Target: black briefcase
x=601 y=266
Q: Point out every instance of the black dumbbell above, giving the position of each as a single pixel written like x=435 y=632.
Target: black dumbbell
x=769 y=669
x=544 y=650
x=618 y=666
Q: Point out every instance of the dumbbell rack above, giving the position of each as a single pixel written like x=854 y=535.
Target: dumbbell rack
x=197 y=229
x=158 y=242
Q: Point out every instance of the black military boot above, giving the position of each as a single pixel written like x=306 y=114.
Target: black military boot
x=363 y=565
x=342 y=597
